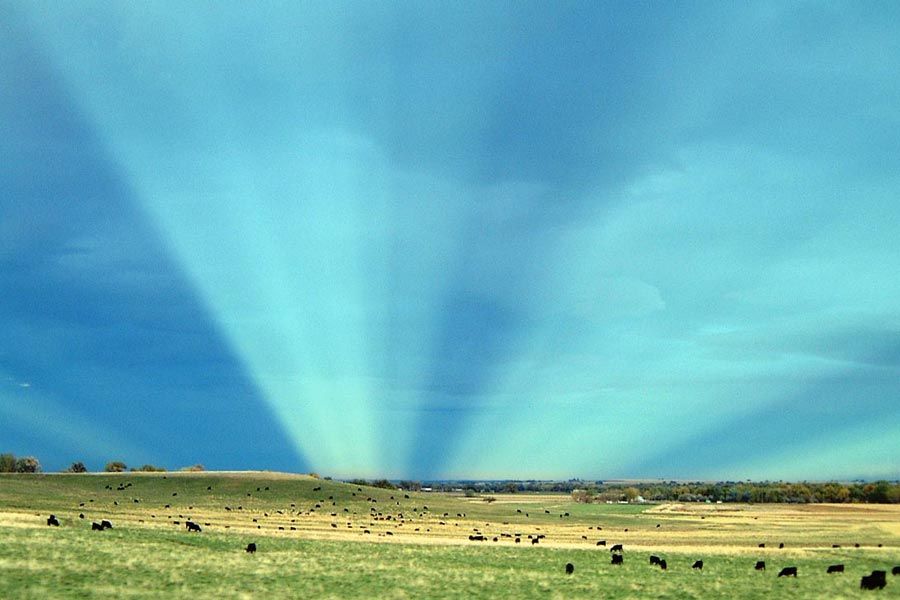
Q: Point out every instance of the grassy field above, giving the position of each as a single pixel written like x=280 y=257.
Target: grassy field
x=320 y=539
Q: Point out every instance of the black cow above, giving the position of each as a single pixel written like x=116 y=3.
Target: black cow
x=835 y=569
x=191 y=526
x=698 y=565
x=654 y=560
x=570 y=568
x=476 y=538
x=534 y=541
x=788 y=572
x=106 y=524
x=96 y=527
x=601 y=543
x=251 y=547
x=781 y=545
x=877 y=580
x=762 y=545
x=895 y=571
x=617 y=548
x=51 y=520
x=662 y=564
x=760 y=565
x=617 y=559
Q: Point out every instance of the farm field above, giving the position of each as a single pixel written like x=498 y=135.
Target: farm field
x=319 y=539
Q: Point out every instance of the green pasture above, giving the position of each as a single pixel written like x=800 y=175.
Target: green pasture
x=144 y=557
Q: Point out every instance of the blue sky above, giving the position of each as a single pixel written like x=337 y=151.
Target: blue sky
x=493 y=239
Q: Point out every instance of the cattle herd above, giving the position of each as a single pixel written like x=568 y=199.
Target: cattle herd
x=877 y=579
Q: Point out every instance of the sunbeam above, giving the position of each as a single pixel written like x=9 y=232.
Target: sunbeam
x=418 y=240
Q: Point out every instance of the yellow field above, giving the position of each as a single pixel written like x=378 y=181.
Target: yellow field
x=301 y=523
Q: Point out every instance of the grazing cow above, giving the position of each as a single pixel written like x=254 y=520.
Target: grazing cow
x=788 y=572
x=835 y=545
x=662 y=564
x=654 y=560
x=617 y=559
x=518 y=540
x=616 y=548
x=877 y=580
x=191 y=526
x=534 y=541
x=570 y=568
x=895 y=571
x=601 y=543
x=760 y=565
x=105 y=524
x=762 y=545
x=698 y=565
x=251 y=547
x=781 y=546
x=51 y=520
x=80 y=515
x=835 y=569
x=476 y=538
x=96 y=527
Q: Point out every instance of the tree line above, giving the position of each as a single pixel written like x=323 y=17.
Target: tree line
x=29 y=464
x=877 y=492
x=880 y=492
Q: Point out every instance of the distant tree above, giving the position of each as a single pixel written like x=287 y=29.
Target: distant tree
x=384 y=484
x=412 y=486
x=7 y=463
x=834 y=492
x=582 y=496
x=150 y=469
x=77 y=467
x=194 y=468
x=631 y=493
x=510 y=487
x=28 y=464
x=115 y=466
x=877 y=492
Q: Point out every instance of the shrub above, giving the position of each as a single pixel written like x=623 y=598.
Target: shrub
x=194 y=468
x=7 y=463
x=150 y=469
x=28 y=464
x=116 y=466
x=77 y=467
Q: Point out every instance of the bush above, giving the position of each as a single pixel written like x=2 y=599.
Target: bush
x=29 y=464
x=194 y=468
x=7 y=463
x=150 y=469
x=116 y=466
x=77 y=467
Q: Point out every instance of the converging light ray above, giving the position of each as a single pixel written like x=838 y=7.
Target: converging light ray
x=505 y=240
